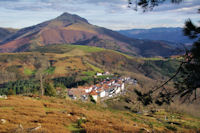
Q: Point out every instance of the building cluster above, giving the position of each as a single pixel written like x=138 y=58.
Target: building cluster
x=102 y=74
x=106 y=88
x=3 y=97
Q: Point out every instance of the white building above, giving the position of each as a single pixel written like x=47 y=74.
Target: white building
x=99 y=74
x=102 y=93
x=118 y=90
x=109 y=83
x=122 y=87
x=112 y=81
x=94 y=95
x=107 y=73
x=88 y=90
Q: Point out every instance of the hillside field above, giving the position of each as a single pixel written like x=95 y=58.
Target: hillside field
x=63 y=60
x=48 y=114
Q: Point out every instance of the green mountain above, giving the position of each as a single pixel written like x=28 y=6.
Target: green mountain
x=62 y=60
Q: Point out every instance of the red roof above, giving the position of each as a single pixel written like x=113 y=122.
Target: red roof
x=108 y=82
x=76 y=91
x=98 y=85
x=93 y=93
x=83 y=88
x=106 y=87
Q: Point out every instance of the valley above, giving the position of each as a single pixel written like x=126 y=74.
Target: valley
x=68 y=75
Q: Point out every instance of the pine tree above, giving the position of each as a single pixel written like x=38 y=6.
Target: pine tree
x=187 y=84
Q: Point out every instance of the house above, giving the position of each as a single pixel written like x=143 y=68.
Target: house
x=109 y=83
x=90 y=89
x=3 y=97
x=84 y=97
x=127 y=78
x=98 y=85
x=118 y=89
x=86 y=89
x=106 y=88
x=94 y=95
x=121 y=83
x=71 y=95
x=102 y=93
x=99 y=74
x=122 y=86
x=112 y=81
x=112 y=90
x=76 y=93
x=106 y=73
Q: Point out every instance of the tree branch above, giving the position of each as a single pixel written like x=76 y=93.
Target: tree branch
x=178 y=70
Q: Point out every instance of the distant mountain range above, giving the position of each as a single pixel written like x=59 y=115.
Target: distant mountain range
x=73 y=29
x=174 y=35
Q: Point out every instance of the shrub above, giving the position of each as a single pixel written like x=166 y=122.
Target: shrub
x=171 y=128
x=49 y=89
x=11 y=92
x=80 y=121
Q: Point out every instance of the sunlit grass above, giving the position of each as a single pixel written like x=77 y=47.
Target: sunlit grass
x=96 y=69
x=63 y=115
x=28 y=71
x=74 y=128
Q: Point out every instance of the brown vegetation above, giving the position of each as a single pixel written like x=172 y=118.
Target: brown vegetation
x=59 y=115
x=56 y=115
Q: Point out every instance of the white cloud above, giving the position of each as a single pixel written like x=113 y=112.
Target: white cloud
x=112 y=14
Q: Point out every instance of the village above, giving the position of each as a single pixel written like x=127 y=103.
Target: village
x=108 y=88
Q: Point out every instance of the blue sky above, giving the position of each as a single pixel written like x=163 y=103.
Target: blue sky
x=112 y=14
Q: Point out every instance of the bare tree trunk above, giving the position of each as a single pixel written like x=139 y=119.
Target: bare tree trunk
x=41 y=85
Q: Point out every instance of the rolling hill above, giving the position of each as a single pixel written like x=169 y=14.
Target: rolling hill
x=6 y=32
x=73 y=29
x=174 y=35
x=64 y=60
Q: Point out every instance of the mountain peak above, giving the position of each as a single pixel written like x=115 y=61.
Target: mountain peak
x=72 y=18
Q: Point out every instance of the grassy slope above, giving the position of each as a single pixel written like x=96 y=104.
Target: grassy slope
x=60 y=115
x=75 y=58
x=65 y=48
